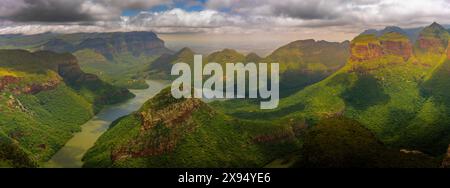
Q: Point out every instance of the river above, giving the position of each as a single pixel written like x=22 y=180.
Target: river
x=71 y=154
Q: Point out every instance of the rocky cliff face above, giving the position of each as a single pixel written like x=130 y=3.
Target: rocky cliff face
x=430 y=44
x=8 y=80
x=433 y=39
x=370 y=47
x=39 y=87
x=13 y=84
x=170 y=115
x=398 y=48
x=109 y=45
x=58 y=68
x=70 y=70
x=136 y=43
x=164 y=123
x=365 y=52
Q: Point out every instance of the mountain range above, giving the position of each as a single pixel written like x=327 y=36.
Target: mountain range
x=394 y=87
x=385 y=106
x=302 y=62
x=380 y=100
x=116 y=57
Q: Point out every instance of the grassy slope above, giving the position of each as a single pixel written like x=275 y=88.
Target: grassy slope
x=216 y=141
x=341 y=142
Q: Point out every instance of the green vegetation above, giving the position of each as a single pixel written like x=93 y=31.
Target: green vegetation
x=11 y=156
x=201 y=138
x=367 y=38
x=394 y=36
x=128 y=72
x=161 y=67
x=118 y=58
x=388 y=106
x=44 y=99
x=402 y=102
x=302 y=63
x=341 y=142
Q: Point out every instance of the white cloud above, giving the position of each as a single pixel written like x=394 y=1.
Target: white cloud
x=243 y=16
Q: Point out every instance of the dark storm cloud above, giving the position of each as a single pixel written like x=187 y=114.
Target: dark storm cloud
x=306 y=10
x=71 y=10
x=51 y=11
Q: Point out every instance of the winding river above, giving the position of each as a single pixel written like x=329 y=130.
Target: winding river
x=71 y=154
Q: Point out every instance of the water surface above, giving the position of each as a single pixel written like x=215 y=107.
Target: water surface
x=71 y=154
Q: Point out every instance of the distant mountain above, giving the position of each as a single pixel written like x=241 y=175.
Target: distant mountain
x=164 y=63
x=433 y=39
x=125 y=53
x=226 y=56
x=44 y=98
x=116 y=44
x=107 y=44
x=301 y=62
x=58 y=45
x=253 y=57
x=306 y=62
x=168 y=132
x=411 y=33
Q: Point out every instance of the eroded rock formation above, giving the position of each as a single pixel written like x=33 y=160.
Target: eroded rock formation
x=166 y=126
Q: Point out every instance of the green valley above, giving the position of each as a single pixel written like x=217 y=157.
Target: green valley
x=45 y=97
x=380 y=100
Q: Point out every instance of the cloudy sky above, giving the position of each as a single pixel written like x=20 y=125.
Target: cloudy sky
x=255 y=23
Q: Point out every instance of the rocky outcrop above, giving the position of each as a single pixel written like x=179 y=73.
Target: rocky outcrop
x=274 y=137
x=377 y=47
x=39 y=87
x=67 y=71
x=70 y=70
x=433 y=39
x=365 y=52
x=7 y=80
x=165 y=127
x=398 y=48
x=430 y=44
x=446 y=161
x=169 y=116
x=32 y=88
